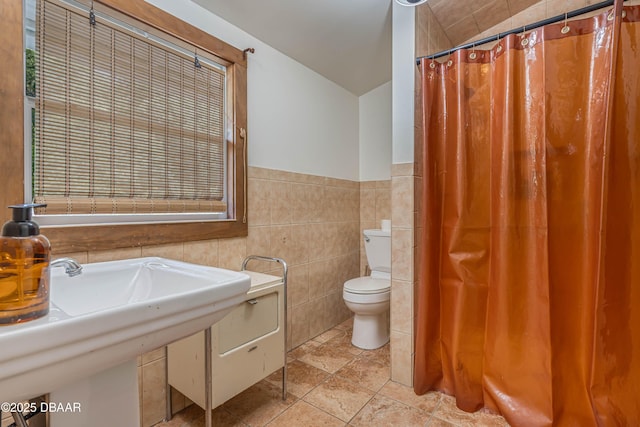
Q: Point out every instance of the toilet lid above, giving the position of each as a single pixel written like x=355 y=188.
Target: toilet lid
x=367 y=285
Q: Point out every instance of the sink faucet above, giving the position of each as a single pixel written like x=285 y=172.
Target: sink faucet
x=71 y=266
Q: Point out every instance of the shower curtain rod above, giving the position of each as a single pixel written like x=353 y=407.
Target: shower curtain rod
x=522 y=29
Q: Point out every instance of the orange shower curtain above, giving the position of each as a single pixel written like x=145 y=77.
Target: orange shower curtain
x=528 y=301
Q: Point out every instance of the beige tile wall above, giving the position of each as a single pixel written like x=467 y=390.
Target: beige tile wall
x=314 y=225
x=375 y=205
x=430 y=37
x=312 y=222
x=403 y=218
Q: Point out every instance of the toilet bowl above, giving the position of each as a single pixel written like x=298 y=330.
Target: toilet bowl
x=369 y=297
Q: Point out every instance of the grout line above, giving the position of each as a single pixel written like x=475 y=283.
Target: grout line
x=322 y=410
x=361 y=409
x=335 y=375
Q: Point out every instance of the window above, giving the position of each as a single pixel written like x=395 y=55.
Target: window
x=134 y=122
x=125 y=122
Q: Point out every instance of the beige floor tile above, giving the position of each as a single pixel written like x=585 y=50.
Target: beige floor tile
x=383 y=412
x=343 y=343
x=437 y=422
x=339 y=397
x=219 y=418
x=331 y=333
x=259 y=404
x=381 y=355
x=303 y=349
x=485 y=419
x=328 y=358
x=368 y=373
x=347 y=325
x=301 y=378
x=193 y=416
x=303 y=414
x=427 y=402
x=448 y=411
x=488 y=420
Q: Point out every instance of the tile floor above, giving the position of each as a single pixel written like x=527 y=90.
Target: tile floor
x=332 y=383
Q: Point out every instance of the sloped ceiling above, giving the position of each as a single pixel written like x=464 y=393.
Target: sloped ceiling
x=349 y=41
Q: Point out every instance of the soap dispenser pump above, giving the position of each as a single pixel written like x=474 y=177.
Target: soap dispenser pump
x=24 y=268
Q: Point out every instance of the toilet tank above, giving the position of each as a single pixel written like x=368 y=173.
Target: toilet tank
x=377 y=245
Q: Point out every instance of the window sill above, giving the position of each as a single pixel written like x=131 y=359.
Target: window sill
x=104 y=237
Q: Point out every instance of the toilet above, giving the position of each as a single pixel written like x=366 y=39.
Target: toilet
x=368 y=297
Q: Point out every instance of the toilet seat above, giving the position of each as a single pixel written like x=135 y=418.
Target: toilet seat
x=367 y=290
x=367 y=285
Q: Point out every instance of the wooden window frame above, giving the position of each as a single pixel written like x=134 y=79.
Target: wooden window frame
x=102 y=237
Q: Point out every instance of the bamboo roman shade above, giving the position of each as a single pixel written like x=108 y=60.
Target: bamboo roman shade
x=123 y=124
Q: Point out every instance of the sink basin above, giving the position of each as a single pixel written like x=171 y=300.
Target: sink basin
x=111 y=313
x=103 y=287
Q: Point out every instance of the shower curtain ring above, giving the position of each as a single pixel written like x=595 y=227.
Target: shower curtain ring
x=566 y=28
x=499 y=48
x=612 y=14
x=473 y=55
x=525 y=40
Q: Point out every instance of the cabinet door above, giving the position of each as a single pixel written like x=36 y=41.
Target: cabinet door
x=252 y=319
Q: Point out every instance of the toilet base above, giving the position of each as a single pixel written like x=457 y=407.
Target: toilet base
x=370 y=331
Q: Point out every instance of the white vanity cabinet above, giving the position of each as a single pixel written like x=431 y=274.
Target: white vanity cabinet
x=247 y=345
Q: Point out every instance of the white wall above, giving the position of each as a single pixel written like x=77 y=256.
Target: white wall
x=403 y=68
x=298 y=121
x=375 y=134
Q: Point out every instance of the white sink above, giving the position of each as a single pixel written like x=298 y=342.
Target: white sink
x=111 y=313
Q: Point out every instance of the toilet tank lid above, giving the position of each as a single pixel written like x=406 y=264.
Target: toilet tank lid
x=367 y=285
x=381 y=233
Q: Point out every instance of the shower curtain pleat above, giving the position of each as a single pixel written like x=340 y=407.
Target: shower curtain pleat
x=528 y=301
x=615 y=382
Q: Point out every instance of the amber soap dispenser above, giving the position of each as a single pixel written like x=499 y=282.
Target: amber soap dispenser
x=24 y=268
